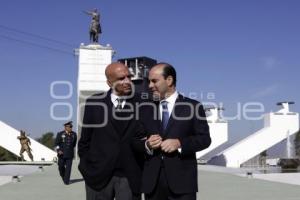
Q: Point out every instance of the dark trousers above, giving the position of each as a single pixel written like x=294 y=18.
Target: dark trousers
x=118 y=188
x=64 y=167
x=162 y=191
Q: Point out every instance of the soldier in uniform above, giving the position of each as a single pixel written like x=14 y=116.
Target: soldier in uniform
x=25 y=145
x=65 y=142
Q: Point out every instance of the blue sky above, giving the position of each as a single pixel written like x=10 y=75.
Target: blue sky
x=240 y=50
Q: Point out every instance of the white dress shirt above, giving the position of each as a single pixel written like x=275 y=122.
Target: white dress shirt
x=114 y=100
x=171 y=103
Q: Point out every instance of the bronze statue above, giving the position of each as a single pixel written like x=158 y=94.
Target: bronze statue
x=95 y=27
x=25 y=145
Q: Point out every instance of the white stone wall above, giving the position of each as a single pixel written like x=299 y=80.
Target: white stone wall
x=10 y=142
x=93 y=59
x=276 y=127
x=218 y=132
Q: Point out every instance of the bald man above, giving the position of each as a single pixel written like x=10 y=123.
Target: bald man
x=108 y=164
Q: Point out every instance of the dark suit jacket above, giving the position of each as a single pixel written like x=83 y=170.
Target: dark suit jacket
x=193 y=133
x=101 y=147
x=66 y=143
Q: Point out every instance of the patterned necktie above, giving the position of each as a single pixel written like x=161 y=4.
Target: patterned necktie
x=119 y=106
x=165 y=114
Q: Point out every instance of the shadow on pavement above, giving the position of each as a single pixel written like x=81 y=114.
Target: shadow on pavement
x=75 y=180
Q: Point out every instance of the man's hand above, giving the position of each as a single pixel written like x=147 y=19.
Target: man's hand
x=170 y=145
x=154 y=141
x=60 y=152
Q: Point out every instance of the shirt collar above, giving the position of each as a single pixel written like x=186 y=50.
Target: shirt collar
x=114 y=97
x=114 y=100
x=171 y=99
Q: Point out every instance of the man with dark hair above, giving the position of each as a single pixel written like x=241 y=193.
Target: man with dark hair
x=65 y=142
x=109 y=165
x=169 y=70
x=170 y=170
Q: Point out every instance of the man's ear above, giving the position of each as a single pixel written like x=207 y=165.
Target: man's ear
x=170 y=80
x=109 y=83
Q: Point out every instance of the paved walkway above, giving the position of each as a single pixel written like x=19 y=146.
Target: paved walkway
x=7 y=171
x=213 y=185
x=46 y=185
x=289 y=178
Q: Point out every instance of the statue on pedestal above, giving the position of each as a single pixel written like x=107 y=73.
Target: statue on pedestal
x=25 y=145
x=95 y=27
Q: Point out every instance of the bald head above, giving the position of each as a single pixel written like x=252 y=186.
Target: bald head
x=118 y=78
x=112 y=68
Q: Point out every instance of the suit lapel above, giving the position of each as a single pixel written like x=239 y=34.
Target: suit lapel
x=110 y=108
x=128 y=122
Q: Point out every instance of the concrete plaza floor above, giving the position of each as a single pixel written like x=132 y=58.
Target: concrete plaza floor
x=213 y=185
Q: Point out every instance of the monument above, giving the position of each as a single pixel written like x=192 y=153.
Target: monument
x=92 y=61
x=25 y=145
x=276 y=126
x=218 y=128
x=95 y=26
x=9 y=140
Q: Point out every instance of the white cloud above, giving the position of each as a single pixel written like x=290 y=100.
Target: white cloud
x=270 y=62
x=267 y=91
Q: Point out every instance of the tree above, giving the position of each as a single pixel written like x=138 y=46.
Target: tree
x=263 y=158
x=47 y=139
x=297 y=144
x=6 y=155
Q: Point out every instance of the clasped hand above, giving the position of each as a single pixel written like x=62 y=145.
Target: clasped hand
x=169 y=145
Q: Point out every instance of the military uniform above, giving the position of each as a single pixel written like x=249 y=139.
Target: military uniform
x=65 y=143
